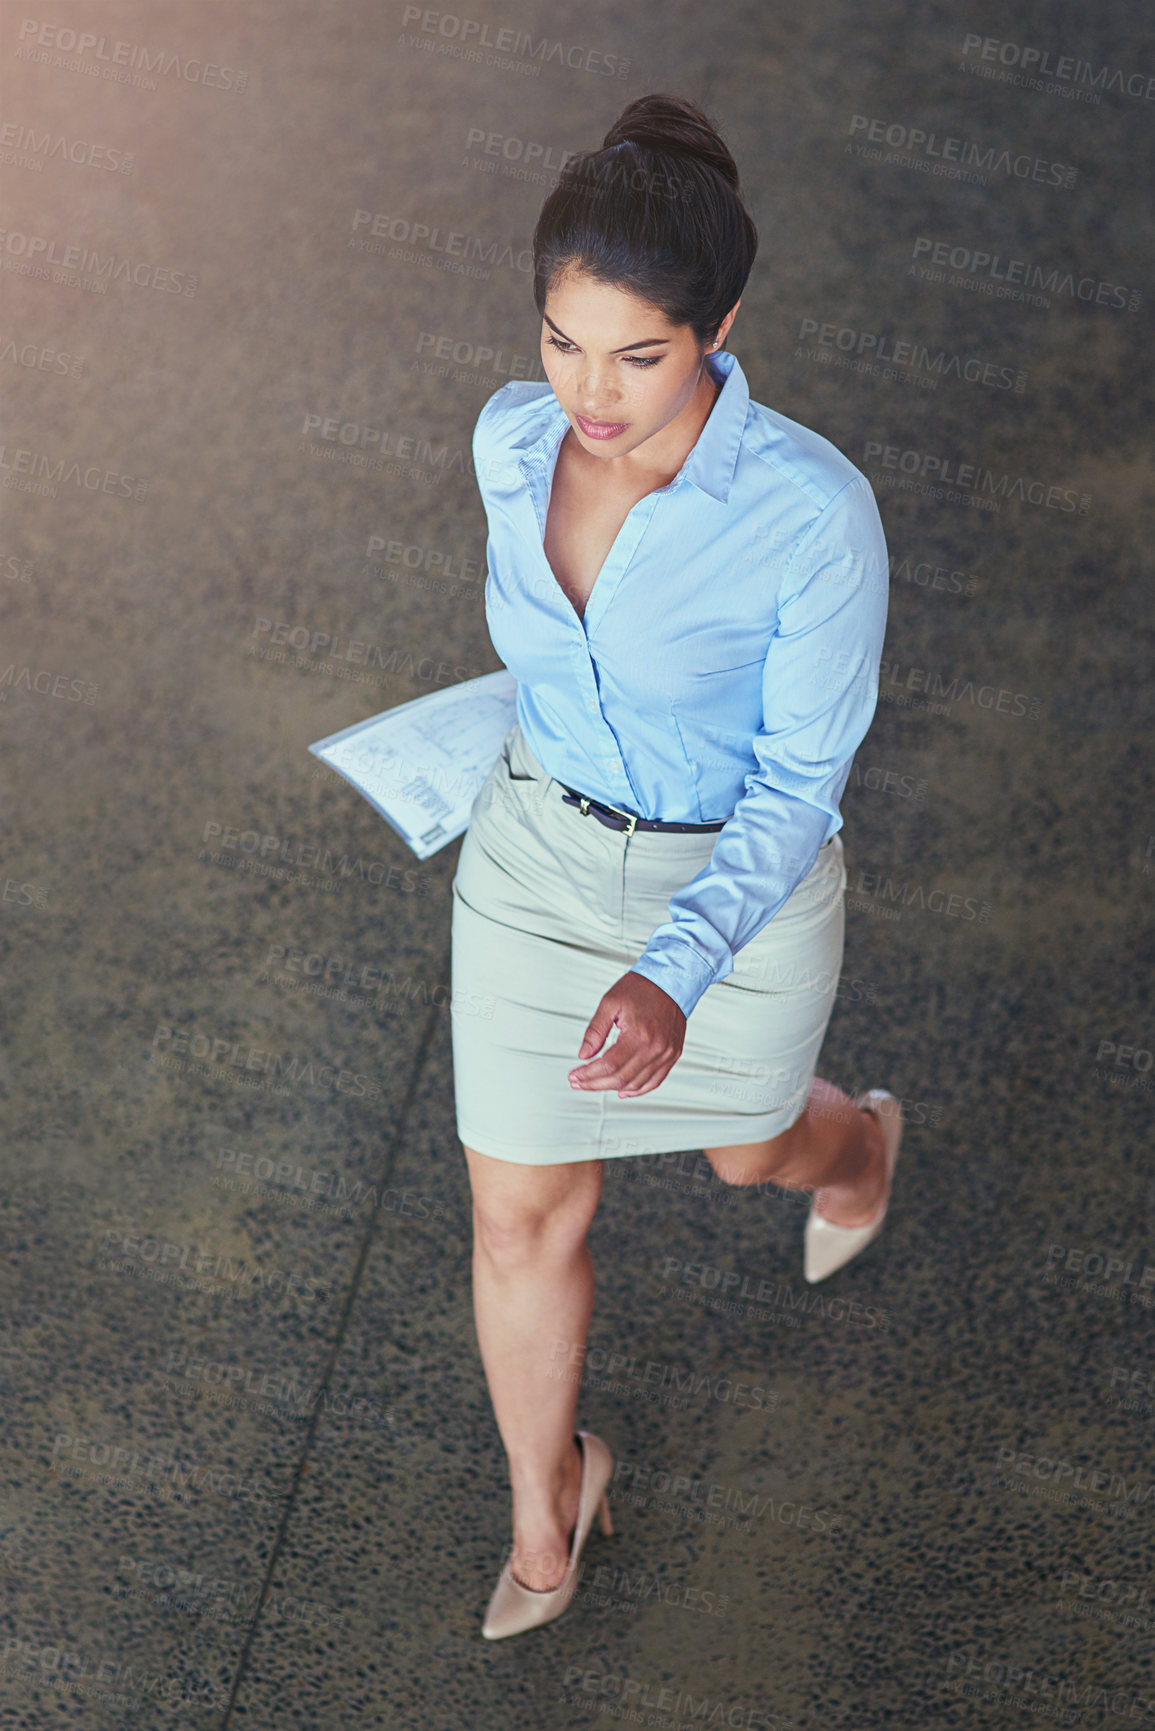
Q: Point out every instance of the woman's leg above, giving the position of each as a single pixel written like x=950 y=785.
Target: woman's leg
x=834 y=1149
x=533 y=1287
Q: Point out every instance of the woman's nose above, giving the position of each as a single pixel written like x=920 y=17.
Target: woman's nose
x=597 y=388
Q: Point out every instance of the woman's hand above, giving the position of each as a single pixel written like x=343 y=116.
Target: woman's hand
x=651 y=1030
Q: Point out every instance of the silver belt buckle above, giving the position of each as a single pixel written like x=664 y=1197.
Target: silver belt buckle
x=631 y=817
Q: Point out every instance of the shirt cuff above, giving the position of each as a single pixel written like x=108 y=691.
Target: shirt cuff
x=681 y=970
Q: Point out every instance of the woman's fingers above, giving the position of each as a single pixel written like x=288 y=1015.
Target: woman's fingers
x=651 y=1029
x=615 y=1068
x=646 y=1083
x=631 y=1063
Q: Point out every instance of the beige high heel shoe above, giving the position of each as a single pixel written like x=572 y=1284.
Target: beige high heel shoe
x=514 y=1608
x=829 y=1247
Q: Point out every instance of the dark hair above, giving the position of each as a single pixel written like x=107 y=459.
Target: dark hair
x=658 y=211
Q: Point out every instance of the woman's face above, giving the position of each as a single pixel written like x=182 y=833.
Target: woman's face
x=617 y=366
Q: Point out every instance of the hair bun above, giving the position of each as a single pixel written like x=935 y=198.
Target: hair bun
x=657 y=212
x=675 y=127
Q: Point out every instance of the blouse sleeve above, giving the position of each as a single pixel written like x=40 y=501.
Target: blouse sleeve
x=485 y=445
x=819 y=694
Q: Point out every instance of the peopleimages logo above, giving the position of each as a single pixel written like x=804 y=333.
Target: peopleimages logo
x=41 y=358
x=975 y=478
x=1107 y=1263
x=48 y=472
x=1049 y=1696
x=468 y=35
x=1001 y=699
x=910 y=352
x=937 y=901
x=121 y=1252
x=1001 y=277
x=184 y=1474
x=953 y=156
x=666 y=1703
x=1039 y=63
x=24 y=144
x=518 y=149
x=1099 y=1481
x=682 y=1378
x=1101 y=1587
x=36 y=252
x=220 y=1052
x=123 y=59
x=70 y=1671
x=462 y=252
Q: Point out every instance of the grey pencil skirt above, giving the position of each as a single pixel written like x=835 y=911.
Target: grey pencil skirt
x=550 y=908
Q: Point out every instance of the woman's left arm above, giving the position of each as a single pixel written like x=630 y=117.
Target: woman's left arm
x=819 y=695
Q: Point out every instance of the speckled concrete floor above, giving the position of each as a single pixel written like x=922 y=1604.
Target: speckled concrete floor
x=278 y=1501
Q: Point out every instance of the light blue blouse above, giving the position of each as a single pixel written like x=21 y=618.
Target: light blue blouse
x=727 y=666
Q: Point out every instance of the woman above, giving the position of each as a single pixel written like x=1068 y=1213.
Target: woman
x=691 y=591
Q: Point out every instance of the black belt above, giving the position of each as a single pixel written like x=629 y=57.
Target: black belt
x=614 y=818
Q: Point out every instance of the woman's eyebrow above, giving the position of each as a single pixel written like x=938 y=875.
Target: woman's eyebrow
x=647 y=343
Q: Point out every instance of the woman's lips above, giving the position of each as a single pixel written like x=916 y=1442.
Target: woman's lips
x=601 y=429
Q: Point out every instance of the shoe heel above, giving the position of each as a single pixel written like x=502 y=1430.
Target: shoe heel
x=604 y=1520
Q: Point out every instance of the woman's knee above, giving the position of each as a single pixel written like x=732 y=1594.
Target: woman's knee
x=763 y=1162
x=522 y=1214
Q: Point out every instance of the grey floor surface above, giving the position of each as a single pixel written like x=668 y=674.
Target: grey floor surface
x=279 y=1501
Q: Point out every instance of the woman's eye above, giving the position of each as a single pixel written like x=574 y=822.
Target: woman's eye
x=634 y=360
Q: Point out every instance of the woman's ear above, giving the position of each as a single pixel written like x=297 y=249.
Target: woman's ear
x=724 y=327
